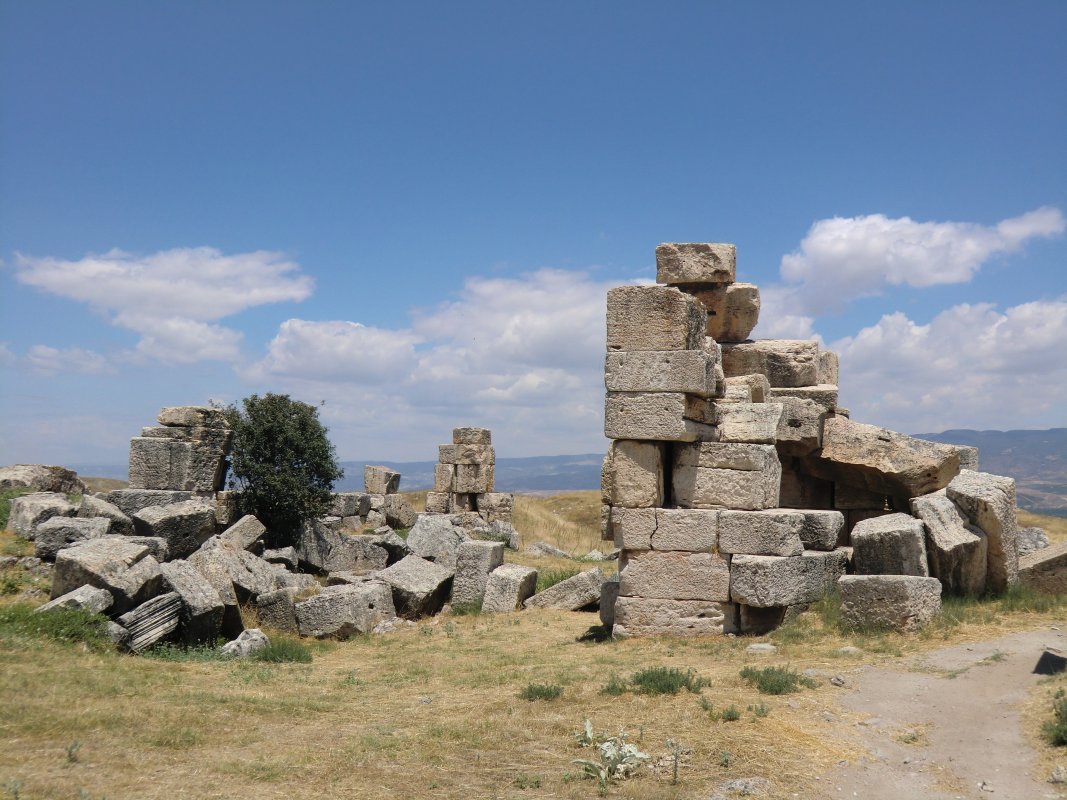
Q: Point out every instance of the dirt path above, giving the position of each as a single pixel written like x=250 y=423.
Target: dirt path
x=947 y=725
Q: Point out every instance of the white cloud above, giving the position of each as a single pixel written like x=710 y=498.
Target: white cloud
x=170 y=298
x=45 y=360
x=7 y=358
x=971 y=366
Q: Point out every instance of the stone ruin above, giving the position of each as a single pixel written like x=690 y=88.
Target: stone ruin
x=464 y=478
x=739 y=491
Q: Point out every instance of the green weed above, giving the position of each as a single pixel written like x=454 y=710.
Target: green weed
x=550 y=577
x=541 y=691
x=281 y=650
x=776 y=680
x=1055 y=730
x=614 y=687
x=66 y=625
x=666 y=680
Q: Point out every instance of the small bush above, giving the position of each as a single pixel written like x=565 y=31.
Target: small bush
x=1055 y=730
x=524 y=781
x=550 y=577
x=170 y=651
x=280 y=651
x=614 y=687
x=666 y=680
x=731 y=714
x=66 y=625
x=776 y=680
x=541 y=691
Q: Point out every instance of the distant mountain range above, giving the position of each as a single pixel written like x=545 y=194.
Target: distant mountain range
x=1036 y=459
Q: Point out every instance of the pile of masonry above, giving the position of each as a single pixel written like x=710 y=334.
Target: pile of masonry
x=166 y=559
x=739 y=491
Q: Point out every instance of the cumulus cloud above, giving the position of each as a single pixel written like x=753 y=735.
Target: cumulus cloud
x=45 y=360
x=971 y=366
x=171 y=298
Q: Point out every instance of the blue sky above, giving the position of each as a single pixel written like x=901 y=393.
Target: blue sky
x=413 y=211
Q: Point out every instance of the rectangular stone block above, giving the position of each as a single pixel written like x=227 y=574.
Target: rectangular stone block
x=639 y=616
x=481 y=436
x=466 y=454
x=633 y=527
x=474 y=561
x=721 y=455
x=508 y=587
x=686 y=371
x=829 y=369
x=894 y=544
x=755 y=423
x=785 y=362
x=442 y=477
x=824 y=394
x=766 y=581
x=800 y=426
x=632 y=474
x=904 y=603
x=733 y=309
x=671 y=575
x=988 y=501
x=437 y=502
x=159 y=463
x=761 y=533
x=654 y=318
x=735 y=485
x=192 y=417
x=693 y=530
x=1045 y=570
x=669 y=416
x=956 y=550
x=380 y=480
x=696 y=262
x=753 y=388
x=460 y=502
x=473 y=478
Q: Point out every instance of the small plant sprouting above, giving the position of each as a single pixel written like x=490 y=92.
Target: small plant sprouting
x=585 y=737
x=524 y=781
x=614 y=687
x=759 y=710
x=731 y=714
x=541 y=691
x=15 y=787
x=72 y=751
x=725 y=758
x=677 y=749
x=1055 y=730
x=618 y=760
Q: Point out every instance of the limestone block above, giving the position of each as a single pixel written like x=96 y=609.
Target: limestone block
x=340 y=612
x=686 y=371
x=141 y=582
x=733 y=309
x=466 y=454
x=654 y=318
x=640 y=616
x=853 y=497
x=800 y=490
x=278 y=611
x=474 y=561
x=229 y=569
x=1030 y=540
x=508 y=587
x=822 y=530
x=800 y=427
x=716 y=455
x=737 y=391
x=785 y=362
x=755 y=423
x=243 y=534
x=753 y=388
x=389 y=541
x=903 y=603
x=671 y=575
x=632 y=475
x=293 y=582
x=854 y=516
x=184 y=526
x=152 y=621
x=968 y=457
x=436 y=539
x=130 y=501
x=472 y=436
x=192 y=417
x=317 y=541
x=576 y=592
x=633 y=527
x=58 y=533
x=696 y=262
x=473 y=479
x=442 y=477
x=247 y=644
x=988 y=501
x=881 y=460
x=355 y=553
x=760 y=533
x=765 y=581
x=380 y=480
x=829 y=367
x=419 y=587
x=609 y=595
x=658 y=416
x=607 y=534
x=398 y=512
x=202 y=609
x=92 y=506
x=157 y=463
x=437 y=502
x=101 y=562
x=894 y=544
x=746 y=476
x=30 y=510
x=1045 y=570
x=956 y=550
x=86 y=597
x=496 y=506
x=349 y=504
x=693 y=530
x=41 y=478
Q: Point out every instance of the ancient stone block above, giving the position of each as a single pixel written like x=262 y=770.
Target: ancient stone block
x=633 y=527
x=420 y=587
x=157 y=463
x=800 y=426
x=785 y=362
x=733 y=309
x=686 y=371
x=968 y=457
x=765 y=581
x=461 y=502
x=30 y=510
x=829 y=367
x=243 y=534
x=955 y=549
x=822 y=530
x=92 y=506
x=496 y=506
x=466 y=454
x=988 y=501
x=380 y=480
x=898 y=602
x=278 y=611
x=693 y=530
x=632 y=475
x=824 y=395
x=726 y=475
x=349 y=504
x=474 y=561
x=760 y=533
x=192 y=417
x=202 y=608
x=609 y=594
x=473 y=478
x=755 y=423
x=654 y=318
x=576 y=592
x=437 y=502
x=639 y=616
x=442 y=477
x=1046 y=569
x=672 y=575
x=662 y=416
x=696 y=262
x=399 y=512
x=1030 y=540
x=152 y=621
x=101 y=562
x=894 y=544
x=130 y=501
x=340 y=612
x=436 y=539
x=58 y=533
x=472 y=436
x=41 y=478
x=752 y=388
x=508 y=587
x=86 y=597
x=184 y=526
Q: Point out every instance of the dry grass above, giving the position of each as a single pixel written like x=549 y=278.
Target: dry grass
x=103 y=484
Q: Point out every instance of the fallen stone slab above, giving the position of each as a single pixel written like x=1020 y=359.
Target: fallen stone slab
x=184 y=526
x=474 y=561
x=436 y=539
x=277 y=610
x=30 y=510
x=674 y=575
x=574 y=593
x=151 y=622
x=785 y=362
x=108 y=563
x=609 y=595
x=765 y=581
x=903 y=603
x=250 y=642
x=420 y=587
x=41 y=478
x=760 y=533
x=92 y=506
x=1045 y=570
x=654 y=318
x=243 y=534
x=508 y=587
x=387 y=539
x=340 y=612
x=380 y=480
x=85 y=597
x=639 y=616
x=59 y=533
x=130 y=501
x=955 y=549
x=988 y=501
x=203 y=610
x=293 y=582
x=894 y=544
x=249 y=574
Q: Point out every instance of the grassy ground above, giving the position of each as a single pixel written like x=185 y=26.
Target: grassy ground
x=434 y=710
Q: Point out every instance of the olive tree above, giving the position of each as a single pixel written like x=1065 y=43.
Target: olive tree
x=282 y=462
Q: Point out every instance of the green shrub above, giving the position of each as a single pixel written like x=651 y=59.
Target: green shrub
x=731 y=714
x=614 y=686
x=472 y=608
x=66 y=625
x=541 y=691
x=170 y=651
x=550 y=577
x=1055 y=730
x=666 y=680
x=776 y=680
x=281 y=650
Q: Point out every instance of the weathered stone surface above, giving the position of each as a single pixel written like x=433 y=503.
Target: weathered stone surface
x=664 y=416
x=1045 y=570
x=466 y=454
x=955 y=549
x=829 y=367
x=801 y=490
x=822 y=529
x=632 y=528
x=349 y=504
x=380 y=480
x=472 y=436
x=853 y=497
x=696 y=262
x=92 y=506
x=294 y=582
x=823 y=394
x=473 y=478
x=672 y=575
x=496 y=506
x=152 y=621
x=760 y=533
x=30 y=510
x=323 y=549
x=58 y=533
x=720 y=475
x=692 y=530
x=398 y=512
x=247 y=575
x=278 y=611
x=474 y=561
x=785 y=362
x=733 y=309
x=508 y=587
x=1030 y=540
x=576 y=592
x=898 y=602
x=437 y=502
x=609 y=595
x=41 y=478
x=202 y=608
x=192 y=417
x=436 y=539
x=881 y=460
x=800 y=426
x=442 y=477
x=686 y=371
x=244 y=533
x=894 y=544
x=654 y=318
x=639 y=616
x=752 y=388
x=184 y=526
x=104 y=563
x=968 y=457
x=765 y=581
x=86 y=597
x=227 y=507
x=250 y=642
x=340 y=612
x=632 y=474
x=130 y=501
x=988 y=501
x=159 y=463
x=420 y=587
x=755 y=423
x=387 y=539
